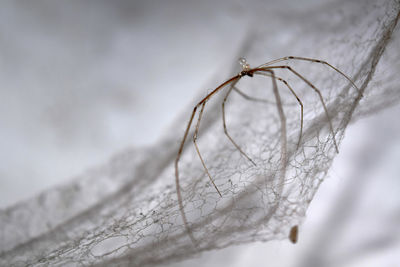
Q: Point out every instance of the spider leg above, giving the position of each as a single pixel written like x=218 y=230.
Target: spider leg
x=202 y=102
x=224 y=124
x=298 y=100
x=315 y=61
x=247 y=97
x=319 y=94
x=256 y=99
x=178 y=189
x=182 y=144
x=197 y=148
x=282 y=118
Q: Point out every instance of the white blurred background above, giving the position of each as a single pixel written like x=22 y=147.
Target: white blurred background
x=81 y=81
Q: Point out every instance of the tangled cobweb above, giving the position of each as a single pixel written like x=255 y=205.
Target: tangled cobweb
x=126 y=213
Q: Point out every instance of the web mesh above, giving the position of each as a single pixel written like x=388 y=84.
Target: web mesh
x=126 y=213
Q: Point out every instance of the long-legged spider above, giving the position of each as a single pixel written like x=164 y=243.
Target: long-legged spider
x=266 y=69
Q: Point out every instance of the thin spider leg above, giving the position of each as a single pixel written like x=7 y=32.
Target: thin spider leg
x=197 y=148
x=247 y=97
x=315 y=61
x=255 y=99
x=225 y=128
x=298 y=100
x=178 y=189
x=283 y=131
x=182 y=144
x=319 y=94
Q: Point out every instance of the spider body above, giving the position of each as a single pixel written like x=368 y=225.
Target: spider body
x=246 y=73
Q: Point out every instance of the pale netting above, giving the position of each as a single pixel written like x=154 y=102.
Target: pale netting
x=126 y=213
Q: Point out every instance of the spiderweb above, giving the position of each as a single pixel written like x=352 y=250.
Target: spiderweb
x=126 y=213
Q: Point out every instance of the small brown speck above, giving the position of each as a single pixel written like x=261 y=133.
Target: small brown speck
x=293 y=235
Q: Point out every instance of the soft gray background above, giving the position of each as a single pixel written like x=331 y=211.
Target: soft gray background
x=81 y=81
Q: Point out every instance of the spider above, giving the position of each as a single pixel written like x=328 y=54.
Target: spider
x=266 y=69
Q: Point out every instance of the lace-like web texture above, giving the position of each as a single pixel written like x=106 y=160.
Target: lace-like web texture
x=134 y=219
